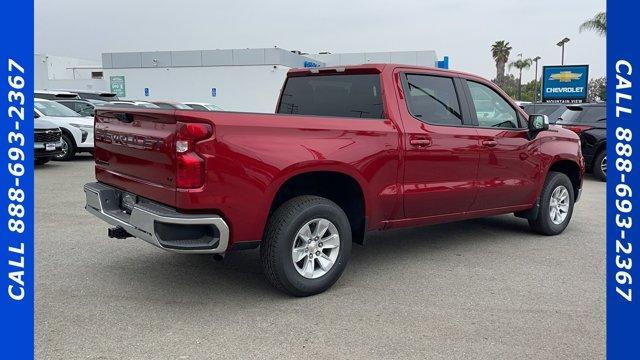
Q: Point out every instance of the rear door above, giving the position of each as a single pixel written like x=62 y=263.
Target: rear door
x=135 y=150
x=440 y=146
x=509 y=161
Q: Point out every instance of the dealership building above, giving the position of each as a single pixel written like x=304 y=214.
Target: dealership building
x=234 y=79
x=63 y=72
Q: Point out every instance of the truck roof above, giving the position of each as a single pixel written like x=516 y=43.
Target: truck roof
x=375 y=68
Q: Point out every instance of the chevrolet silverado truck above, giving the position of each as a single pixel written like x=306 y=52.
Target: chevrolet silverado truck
x=350 y=150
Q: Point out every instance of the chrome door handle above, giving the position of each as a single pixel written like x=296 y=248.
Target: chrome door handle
x=489 y=143
x=420 y=142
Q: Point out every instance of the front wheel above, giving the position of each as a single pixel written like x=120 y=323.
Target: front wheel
x=68 y=149
x=600 y=166
x=306 y=246
x=556 y=205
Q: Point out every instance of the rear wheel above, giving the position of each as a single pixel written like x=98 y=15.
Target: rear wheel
x=306 y=246
x=600 y=166
x=68 y=149
x=556 y=205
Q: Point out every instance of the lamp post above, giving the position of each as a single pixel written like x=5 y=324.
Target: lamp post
x=561 y=44
x=535 y=80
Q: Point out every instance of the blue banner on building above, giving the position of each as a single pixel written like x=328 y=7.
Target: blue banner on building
x=16 y=180
x=623 y=181
x=565 y=83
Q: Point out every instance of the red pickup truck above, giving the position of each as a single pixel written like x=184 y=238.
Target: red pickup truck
x=350 y=150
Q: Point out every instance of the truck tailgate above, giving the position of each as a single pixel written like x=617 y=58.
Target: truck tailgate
x=135 y=150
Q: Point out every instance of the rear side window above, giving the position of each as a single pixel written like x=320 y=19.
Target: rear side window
x=356 y=96
x=433 y=99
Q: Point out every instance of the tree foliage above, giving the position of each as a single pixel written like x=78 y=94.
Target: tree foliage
x=597 y=90
x=597 y=24
x=520 y=64
x=500 y=50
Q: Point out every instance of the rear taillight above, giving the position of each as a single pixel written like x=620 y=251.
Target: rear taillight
x=576 y=128
x=190 y=166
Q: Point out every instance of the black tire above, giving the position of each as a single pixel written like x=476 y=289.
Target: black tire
x=600 y=165
x=543 y=223
x=280 y=236
x=70 y=146
x=42 y=161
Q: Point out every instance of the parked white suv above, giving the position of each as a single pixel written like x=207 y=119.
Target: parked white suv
x=77 y=130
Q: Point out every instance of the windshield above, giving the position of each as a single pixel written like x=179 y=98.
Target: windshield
x=50 y=108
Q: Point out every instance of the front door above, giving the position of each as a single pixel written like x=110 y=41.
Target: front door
x=509 y=163
x=440 y=147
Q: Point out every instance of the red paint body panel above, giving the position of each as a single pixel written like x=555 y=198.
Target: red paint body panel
x=251 y=155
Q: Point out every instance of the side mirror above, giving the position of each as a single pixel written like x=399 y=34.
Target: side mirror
x=35 y=115
x=538 y=123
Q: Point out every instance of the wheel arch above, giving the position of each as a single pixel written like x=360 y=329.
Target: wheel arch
x=571 y=169
x=344 y=188
x=68 y=132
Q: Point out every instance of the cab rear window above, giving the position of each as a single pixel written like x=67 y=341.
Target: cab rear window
x=354 y=96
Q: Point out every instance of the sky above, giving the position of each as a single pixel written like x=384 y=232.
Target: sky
x=462 y=29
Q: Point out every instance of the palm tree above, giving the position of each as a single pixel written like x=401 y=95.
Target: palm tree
x=520 y=64
x=598 y=23
x=500 y=51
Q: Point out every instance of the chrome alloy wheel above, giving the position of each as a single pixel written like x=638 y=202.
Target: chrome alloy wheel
x=65 y=150
x=315 y=248
x=603 y=165
x=559 y=205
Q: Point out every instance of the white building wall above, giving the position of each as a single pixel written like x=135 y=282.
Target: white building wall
x=420 y=58
x=62 y=72
x=252 y=88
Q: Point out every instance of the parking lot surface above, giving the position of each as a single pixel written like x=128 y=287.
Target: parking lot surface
x=479 y=289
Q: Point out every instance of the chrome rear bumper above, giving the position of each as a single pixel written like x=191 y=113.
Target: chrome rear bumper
x=158 y=224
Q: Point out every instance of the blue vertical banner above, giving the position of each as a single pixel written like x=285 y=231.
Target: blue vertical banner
x=16 y=180
x=623 y=181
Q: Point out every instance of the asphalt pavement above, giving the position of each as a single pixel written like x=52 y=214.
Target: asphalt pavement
x=479 y=289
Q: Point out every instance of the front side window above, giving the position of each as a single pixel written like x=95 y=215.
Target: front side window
x=433 y=99
x=491 y=109
x=355 y=96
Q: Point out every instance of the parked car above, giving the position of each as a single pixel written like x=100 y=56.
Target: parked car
x=77 y=130
x=589 y=121
x=82 y=107
x=95 y=95
x=46 y=141
x=203 y=106
x=171 y=105
x=349 y=151
x=128 y=103
x=55 y=94
x=553 y=111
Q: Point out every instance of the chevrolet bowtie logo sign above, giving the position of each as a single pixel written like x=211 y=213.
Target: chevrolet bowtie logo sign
x=565 y=76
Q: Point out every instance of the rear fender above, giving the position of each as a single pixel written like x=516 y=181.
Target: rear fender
x=316 y=166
